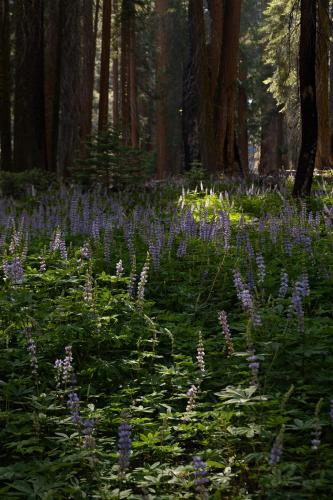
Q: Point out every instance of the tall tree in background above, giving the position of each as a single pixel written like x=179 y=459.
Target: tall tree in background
x=242 y=116
x=309 y=116
x=225 y=99
x=271 y=137
x=161 y=92
x=5 y=88
x=103 y=116
x=324 y=156
x=88 y=52
x=201 y=80
x=69 y=85
x=115 y=66
x=126 y=15
x=29 y=124
x=133 y=80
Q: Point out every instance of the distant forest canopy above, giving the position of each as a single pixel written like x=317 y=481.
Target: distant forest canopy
x=227 y=85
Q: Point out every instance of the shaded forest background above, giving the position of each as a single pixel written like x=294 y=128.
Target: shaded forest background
x=118 y=91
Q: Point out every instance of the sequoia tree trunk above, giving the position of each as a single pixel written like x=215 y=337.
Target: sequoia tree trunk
x=323 y=156
x=161 y=91
x=242 y=117
x=68 y=98
x=5 y=88
x=271 y=138
x=225 y=99
x=126 y=9
x=309 y=117
x=29 y=124
x=203 y=87
x=103 y=115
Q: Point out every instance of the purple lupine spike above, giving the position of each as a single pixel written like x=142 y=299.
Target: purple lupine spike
x=85 y=251
x=181 y=251
x=73 y=404
x=226 y=332
x=119 y=268
x=284 y=284
x=201 y=354
x=124 y=444
x=261 y=268
x=192 y=395
x=254 y=365
x=88 y=288
x=143 y=280
x=331 y=410
x=32 y=350
x=201 y=480
x=13 y=270
x=89 y=441
x=277 y=448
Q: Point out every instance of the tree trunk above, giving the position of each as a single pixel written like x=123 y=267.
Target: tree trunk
x=5 y=88
x=323 y=156
x=133 y=85
x=271 y=138
x=307 y=77
x=161 y=91
x=88 y=69
x=103 y=116
x=216 y=8
x=68 y=98
x=115 y=69
x=242 y=117
x=29 y=124
x=203 y=88
x=51 y=80
x=126 y=9
x=225 y=99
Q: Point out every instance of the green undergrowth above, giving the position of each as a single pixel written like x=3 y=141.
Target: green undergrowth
x=140 y=357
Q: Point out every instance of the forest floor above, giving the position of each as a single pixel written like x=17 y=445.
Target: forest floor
x=169 y=343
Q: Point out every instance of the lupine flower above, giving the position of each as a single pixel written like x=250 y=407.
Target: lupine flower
x=88 y=289
x=32 y=350
x=73 y=404
x=238 y=283
x=302 y=285
x=119 y=268
x=192 y=395
x=132 y=279
x=200 y=478
x=276 y=451
x=13 y=271
x=226 y=332
x=284 y=283
x=253 y=365
x=143 y=280
x=124 y=444
x=86 y=251
x=201 y=354
x=316 y=441
x=296 y=300
x=181 y=251
x=62 y=249
x=261 y=268
x=250 y=280
x=64 y=368
x=89 y=441
x=42 y=267
x=55 y=243
x=331 y=410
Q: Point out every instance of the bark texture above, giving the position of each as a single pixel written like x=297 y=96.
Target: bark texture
x=161 y=91
x=29 y=126
x=5 y=88
x=103 y=116
x=309 y=116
